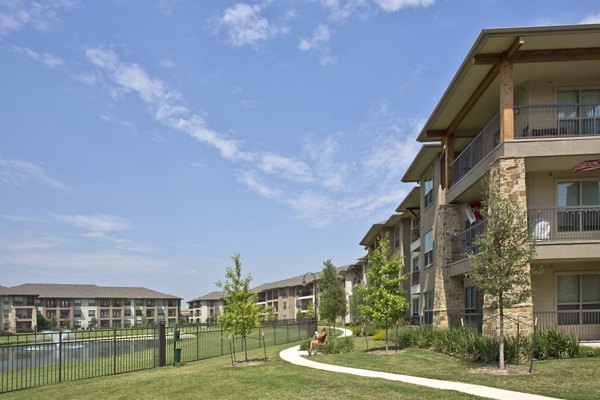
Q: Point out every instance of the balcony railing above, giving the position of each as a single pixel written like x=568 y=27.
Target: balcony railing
x=483 y=144
x=551 y=120
x=564 y=223
x=415 y=233
x=464 y=242
x=584 y=324
x=415 y=278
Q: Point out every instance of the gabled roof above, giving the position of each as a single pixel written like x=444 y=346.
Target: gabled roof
x=546 y=53
x=412 y=201
x=69 y=291
x=216 y=295
x=375 y=229
x=428 y=153
x=290 y=282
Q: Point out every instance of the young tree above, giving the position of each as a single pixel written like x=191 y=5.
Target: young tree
x=383 y=299
x=500 y=264
x=241 y=313
x=332 y=294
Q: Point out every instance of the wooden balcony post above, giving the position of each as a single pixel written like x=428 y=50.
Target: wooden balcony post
x=507 y=117
x=449 y=158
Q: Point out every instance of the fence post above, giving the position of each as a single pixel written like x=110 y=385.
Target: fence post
x=162 y=344
x=518 y=339
x=221 y=326
x=197 y=342
x=60 y=355
x=274 y=333
x=114 y=351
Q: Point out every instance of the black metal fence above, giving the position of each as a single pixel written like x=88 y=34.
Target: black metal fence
x=584 y=324
x=30 y=360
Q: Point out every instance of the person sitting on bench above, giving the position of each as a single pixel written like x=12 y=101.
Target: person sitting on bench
x=318 y=341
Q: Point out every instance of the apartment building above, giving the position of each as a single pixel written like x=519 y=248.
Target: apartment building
x=26 y=306
x=206 y=309
x=523 y=107
x=288 y=298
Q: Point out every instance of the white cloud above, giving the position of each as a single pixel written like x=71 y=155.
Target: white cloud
x=319 y=41
x=166 y=103
x=167 y=63
x=46 y=58
x=21 y=173
x=96 y=224
x=397 y=5
x=246 y=26
x=249 y=103
x=17 y=15
x=591 y=19
x=251 y=181
x=285 y=167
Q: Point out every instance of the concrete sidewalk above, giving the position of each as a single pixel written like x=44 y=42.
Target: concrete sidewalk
x=295 y=356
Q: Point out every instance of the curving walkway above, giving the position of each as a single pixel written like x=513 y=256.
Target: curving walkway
x=295 y=356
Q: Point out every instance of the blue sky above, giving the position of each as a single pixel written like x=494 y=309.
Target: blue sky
x=144 y=142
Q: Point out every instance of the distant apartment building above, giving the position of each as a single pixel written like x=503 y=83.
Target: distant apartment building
x=206 y=309
x=288 y=298
x=27 y=306
x=523 y=107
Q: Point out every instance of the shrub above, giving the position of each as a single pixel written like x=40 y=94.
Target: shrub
x=337 y=345
x=554 y=343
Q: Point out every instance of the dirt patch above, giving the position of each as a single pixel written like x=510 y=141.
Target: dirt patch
x=493 y=370
x=384 y=352
x=248 y=364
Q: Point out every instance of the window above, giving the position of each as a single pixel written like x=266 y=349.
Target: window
x=428 y=308
x=576 y=294
x=428 y=249
x=128 y=312
x=139 y=302
x=116 y=303
x=91 y=302
x=51 y=303
x=578 y=112
x=149 y=303
x=117 y=314
x=77 y=302
x=428 y=187
x=583 y=199
x=104 y=303
x=396 y=237
x=127 y=302
x=471 y=301
x=414 y=309
x=91 y=313
x=77 y=314
x=6 y=300
x=415 y=275
x=138 y=313
x=65 y=303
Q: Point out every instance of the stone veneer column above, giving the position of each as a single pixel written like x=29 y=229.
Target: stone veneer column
x=509 y=174
x=448 y=292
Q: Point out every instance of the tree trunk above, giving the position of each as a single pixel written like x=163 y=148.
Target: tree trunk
x=501 y=309
x=245 y=349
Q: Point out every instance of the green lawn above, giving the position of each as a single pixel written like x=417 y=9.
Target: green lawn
x=567 y=379
x=215 y=378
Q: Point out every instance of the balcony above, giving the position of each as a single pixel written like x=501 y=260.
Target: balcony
x=414 y=279
x=553 y=120
x=564 y=223
x=464 y=242
x=415 y=233
x=483 y=144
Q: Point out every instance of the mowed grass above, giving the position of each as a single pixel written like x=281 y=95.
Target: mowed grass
x=567 y=379
x=216 y=379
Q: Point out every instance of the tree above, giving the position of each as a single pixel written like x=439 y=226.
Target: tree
x=383 y=300
x=241 y=313
x=501 y=255
x=93 y=323
x=332 y=294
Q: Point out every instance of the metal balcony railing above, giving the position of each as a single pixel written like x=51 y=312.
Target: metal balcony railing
x=464 y=242
x=549 y=120
x=415 y=278
x=483 y=144
x=584 y=324
x=415 y=233
x=564 y=223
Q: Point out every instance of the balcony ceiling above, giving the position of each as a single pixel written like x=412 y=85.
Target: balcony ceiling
x=494 y=41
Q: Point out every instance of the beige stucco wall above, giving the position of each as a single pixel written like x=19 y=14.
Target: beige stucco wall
x=544 y=284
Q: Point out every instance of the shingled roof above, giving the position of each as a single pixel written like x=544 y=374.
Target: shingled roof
x=217 y=295
x=57 y=290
